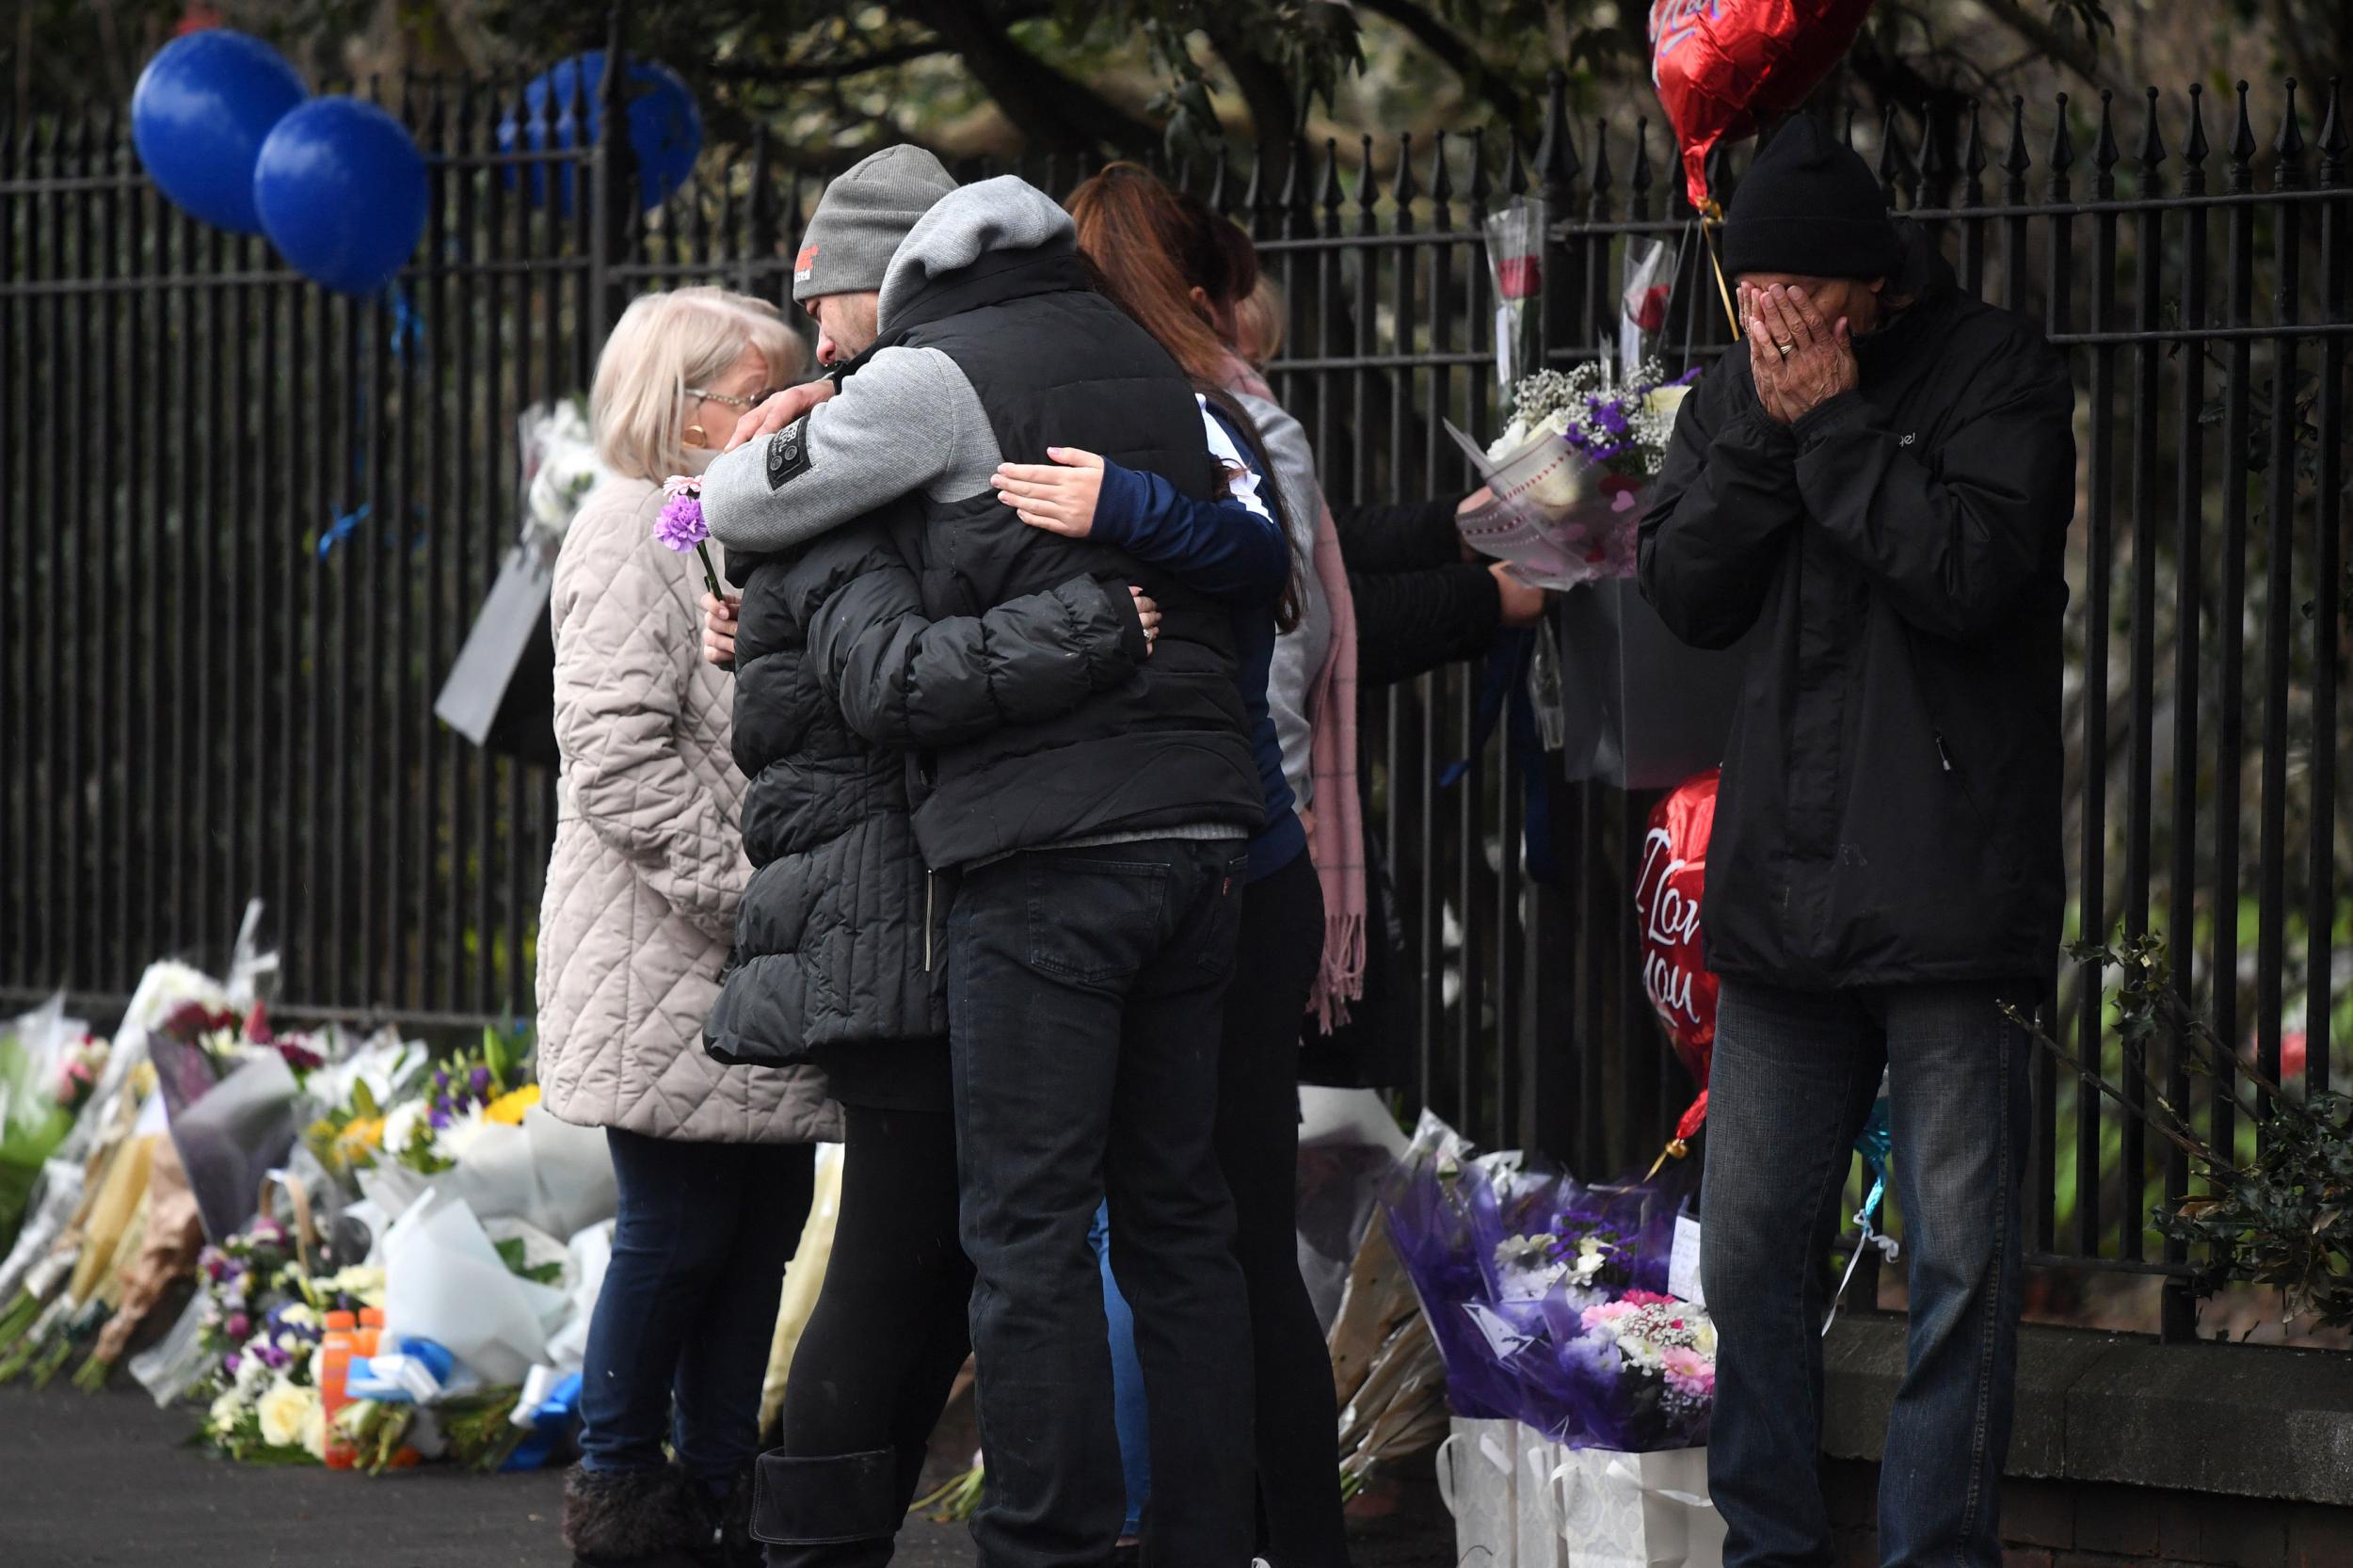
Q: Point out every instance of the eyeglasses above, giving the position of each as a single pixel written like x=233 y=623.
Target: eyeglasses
x=730 y=399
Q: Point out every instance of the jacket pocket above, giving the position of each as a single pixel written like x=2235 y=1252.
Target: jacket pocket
x=1960 y=783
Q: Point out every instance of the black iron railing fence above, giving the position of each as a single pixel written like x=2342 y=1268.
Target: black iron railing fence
x=247 y=525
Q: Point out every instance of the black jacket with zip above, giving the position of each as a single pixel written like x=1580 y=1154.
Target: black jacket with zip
x=833 y=960
x=1890 y=807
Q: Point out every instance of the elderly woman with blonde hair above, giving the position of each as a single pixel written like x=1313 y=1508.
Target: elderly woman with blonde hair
x=713 y=1163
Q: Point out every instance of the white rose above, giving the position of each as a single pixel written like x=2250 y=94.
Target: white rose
x=1665 y=401
x=314 y=1426
x=222 y=1416
x=298 y=1316
x=284 y=1411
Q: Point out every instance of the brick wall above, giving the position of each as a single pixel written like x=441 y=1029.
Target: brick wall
x=2060 y=1524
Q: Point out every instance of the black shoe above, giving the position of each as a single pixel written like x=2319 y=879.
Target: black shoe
x=631 y=1519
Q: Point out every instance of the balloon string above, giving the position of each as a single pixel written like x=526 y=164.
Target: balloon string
x=1710 y=220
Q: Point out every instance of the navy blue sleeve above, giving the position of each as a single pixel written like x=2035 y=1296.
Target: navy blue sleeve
x=1220 y=548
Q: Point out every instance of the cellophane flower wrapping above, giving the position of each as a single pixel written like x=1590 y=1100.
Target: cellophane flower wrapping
x=560 y=467
x=1567 y=474
x=39 y=1096
x=1547 y=1298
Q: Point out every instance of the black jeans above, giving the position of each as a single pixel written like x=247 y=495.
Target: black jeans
x=1083 y=991
x=689 y=1303
x=1257 y=1149
x=887 y=1337
x=1794 y=1075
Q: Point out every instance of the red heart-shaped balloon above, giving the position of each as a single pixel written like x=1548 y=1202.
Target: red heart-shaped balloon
x=1667 y=893
x=1721 y=66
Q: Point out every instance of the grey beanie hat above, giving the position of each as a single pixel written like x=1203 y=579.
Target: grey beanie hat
x=859 y=221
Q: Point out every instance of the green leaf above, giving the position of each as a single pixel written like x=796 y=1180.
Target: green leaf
x=364 y=1102
x=512 y=1253
x=494 y=1056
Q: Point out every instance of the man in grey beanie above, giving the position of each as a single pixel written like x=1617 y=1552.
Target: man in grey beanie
x=865 y=213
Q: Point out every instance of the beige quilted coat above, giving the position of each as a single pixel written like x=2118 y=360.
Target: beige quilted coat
x=648 y=859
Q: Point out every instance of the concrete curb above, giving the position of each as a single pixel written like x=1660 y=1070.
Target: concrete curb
x=2240 y=1420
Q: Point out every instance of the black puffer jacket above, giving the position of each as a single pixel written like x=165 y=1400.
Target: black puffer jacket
x=1889 y=806
x=832 y=937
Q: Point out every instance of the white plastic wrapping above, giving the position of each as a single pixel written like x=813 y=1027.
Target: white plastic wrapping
x=444 y=1281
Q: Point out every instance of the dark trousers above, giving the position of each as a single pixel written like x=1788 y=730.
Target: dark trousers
x=1794 y=1077
x=680 y=1338
x=1084 y=999
x=887 y=1337
x=1257 y=1149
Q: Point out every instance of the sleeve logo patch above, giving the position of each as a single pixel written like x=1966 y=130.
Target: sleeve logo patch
x=788 y=453
x=805 y=263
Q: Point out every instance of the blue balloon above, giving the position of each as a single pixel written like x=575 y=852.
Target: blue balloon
x=666 y=130
x=341 y=188
x=202 y=108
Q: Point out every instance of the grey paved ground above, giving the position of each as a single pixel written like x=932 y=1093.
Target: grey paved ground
x=109 y=1479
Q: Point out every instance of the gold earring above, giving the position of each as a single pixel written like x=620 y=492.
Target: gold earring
x=696 y=431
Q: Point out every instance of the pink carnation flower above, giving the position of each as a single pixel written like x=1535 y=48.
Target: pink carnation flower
x=1607 y=1312
x=680 y=527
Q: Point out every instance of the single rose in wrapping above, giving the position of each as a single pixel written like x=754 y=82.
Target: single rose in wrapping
x=1722 y=66
x=1667 y=902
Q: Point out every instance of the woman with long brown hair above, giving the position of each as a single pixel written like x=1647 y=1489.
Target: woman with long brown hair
x=1303 y=934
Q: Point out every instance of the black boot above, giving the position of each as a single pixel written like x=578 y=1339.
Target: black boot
x=629 y=1519
x=838 y=1511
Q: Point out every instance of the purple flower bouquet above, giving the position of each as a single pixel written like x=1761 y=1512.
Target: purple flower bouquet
x=1546 y=1297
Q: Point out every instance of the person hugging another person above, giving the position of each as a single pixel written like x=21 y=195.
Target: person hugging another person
x=1098 y=854
x=713 y=1167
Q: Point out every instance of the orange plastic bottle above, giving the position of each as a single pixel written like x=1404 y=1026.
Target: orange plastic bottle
x=335 y=1350
x=371 y=1331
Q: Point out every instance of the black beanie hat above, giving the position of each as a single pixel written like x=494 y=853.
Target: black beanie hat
x=1811 y=206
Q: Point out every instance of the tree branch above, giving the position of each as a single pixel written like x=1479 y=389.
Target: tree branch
x=1454 y=53
x=2063 y=47
x=1057 y=110
x=825 y=70
x=1270 y=96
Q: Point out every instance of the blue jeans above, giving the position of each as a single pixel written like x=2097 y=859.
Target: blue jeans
x=1794 y=1076
x=679 y=1343
x=1083 y=998
x=1128 y=1407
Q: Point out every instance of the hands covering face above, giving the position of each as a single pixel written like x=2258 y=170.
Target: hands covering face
x=1799 y=361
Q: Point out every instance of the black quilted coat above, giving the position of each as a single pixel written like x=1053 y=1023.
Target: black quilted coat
x=834 y=940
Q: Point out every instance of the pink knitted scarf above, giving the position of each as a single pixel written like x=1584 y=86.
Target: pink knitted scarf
x=1337 y=841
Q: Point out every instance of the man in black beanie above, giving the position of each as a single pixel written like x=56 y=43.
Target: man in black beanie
x=1878 y=489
